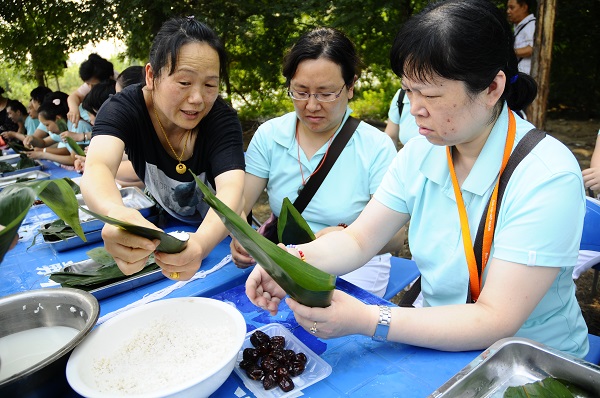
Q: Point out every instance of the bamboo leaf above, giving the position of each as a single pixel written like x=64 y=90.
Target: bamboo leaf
x=17 y=199
x=168 y=243
x=6 y=167
x=18 y=147
x=303 y=282
x=75 y=146
x=292 y=228
x=545 y=388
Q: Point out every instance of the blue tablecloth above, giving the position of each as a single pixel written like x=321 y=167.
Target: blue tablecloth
x=361 y=366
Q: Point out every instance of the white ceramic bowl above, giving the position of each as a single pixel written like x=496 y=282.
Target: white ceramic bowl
x=207 y=321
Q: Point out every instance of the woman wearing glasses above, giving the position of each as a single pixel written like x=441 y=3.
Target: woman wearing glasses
x=320 y=72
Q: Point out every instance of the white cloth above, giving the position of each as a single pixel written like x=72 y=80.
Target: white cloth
x=164 y=292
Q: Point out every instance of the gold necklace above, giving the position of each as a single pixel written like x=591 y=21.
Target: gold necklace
x=180 y=168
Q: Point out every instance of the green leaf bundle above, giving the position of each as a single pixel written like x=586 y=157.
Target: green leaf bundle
x=25 y=162
x=303 y=282
x=102 y=271
x=168 y=243
x=75 y=146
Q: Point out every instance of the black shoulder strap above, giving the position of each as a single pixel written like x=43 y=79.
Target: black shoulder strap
x=336 y=148
x=529 y=141
x=523 y=26
x=401 y=101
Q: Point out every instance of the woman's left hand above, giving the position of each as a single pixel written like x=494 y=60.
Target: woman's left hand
x=37 y=153
x=263 y=291
x=185 y=263
x=346 y=315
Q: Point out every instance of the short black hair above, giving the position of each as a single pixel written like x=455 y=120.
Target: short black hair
x=463 y=40
x=97 y=95
x=327 y=43
x=177 y=32
x=16 y=106
x=96 y=66
x=131 y=75
x=39 y=93
x=55 y=104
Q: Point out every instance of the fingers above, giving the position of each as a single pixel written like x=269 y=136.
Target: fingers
x=239 y=256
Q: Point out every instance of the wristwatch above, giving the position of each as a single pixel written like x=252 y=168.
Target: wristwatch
x=383 y=326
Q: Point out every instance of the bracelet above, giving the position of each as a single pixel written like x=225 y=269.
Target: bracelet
x=298 y=250
x=44 y=150
x=343 y=225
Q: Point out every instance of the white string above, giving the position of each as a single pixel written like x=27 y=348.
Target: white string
x=164 y=292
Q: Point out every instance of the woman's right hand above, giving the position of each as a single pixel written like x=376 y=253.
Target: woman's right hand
x=74 y=116
x=129 y=251
x=28 y=142
x=239 y=255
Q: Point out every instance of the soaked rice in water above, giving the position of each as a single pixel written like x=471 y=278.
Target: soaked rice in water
x=166 y=354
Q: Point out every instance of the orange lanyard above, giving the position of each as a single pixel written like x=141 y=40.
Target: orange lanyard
x=490 y=223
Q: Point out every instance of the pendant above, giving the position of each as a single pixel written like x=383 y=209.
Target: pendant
x=300 y=189
x=181 y=168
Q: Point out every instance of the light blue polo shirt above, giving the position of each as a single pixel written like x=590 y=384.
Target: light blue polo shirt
x=31 y=125
x=407 y=125
x=356 y=174
x=539 y=224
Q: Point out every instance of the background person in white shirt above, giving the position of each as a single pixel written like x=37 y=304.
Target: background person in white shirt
x=520 y=13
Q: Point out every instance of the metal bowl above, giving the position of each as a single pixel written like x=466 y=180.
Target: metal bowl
x=40 y=308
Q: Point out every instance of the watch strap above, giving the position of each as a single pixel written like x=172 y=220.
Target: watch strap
x=383 y=325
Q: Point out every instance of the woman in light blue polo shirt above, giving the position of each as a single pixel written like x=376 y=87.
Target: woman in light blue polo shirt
x=320 y=71
x=460 y=73
x=401 y=125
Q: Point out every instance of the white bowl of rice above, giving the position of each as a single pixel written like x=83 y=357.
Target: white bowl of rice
x=181 y=347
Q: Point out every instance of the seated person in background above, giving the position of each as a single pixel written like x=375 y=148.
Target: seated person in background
x=16 y=112
x=5 y=123
x=401 y=125
x=461 y=94
x=591 y=179
x=126 y=176
x=92 y=71
x=174 y=123
x=131 y=75
x=320 y=72
x=37 y=96
x=91 y=104
x=52 y=114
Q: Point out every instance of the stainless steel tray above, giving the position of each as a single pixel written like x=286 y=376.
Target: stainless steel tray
x=10 y=159
x=39 y=166
x=111 y=289
x=35 y=175
x=516 y=361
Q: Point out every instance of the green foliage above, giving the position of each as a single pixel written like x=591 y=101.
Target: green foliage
x=36 y=35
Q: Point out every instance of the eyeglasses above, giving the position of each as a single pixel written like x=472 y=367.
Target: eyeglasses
x=321 y=97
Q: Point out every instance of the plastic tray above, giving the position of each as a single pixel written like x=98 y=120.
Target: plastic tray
x=316 y=368
x=516 y=361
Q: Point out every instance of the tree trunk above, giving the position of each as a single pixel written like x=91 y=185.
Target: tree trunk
x=541 y=61
x=39 y=77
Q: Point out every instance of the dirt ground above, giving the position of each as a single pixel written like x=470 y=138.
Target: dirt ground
x=580 y=137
